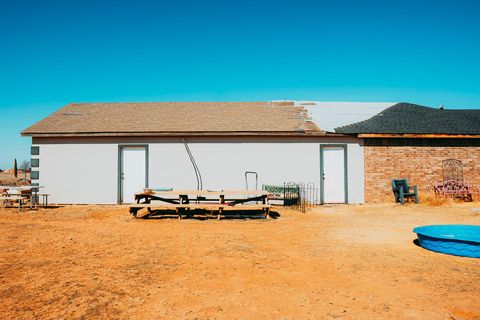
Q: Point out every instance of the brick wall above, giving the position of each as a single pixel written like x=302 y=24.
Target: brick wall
x=418 y=160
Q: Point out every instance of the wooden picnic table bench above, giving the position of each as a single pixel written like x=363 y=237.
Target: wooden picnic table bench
x=27 y=193
x=6 y=200
x=44 y=199
x=182 y=201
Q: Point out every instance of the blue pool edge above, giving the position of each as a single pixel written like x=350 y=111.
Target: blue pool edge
x=450 y=246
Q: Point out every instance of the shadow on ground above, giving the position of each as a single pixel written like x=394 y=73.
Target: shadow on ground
x=206 y=215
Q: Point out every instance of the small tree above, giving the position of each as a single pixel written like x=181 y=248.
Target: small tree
x=15 y=169
x=25 y=165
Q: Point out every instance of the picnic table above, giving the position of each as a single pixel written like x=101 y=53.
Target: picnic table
x=183 y=201
x=20 y=194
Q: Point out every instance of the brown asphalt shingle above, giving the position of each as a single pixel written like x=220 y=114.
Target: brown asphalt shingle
x=164 y=118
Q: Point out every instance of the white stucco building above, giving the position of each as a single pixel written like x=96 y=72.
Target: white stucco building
x=102 y=153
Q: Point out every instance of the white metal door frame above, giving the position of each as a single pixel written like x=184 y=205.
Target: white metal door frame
x=120 y=167
x=345 y=170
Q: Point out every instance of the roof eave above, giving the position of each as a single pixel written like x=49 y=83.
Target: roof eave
x=180 y=134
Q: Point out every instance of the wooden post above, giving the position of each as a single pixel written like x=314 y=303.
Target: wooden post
x=35 y=198
x=220 y=209
x=266 y=210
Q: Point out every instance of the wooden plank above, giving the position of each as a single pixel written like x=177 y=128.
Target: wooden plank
x=206 y=193
x=156 y=206
x=247 y=207
x=21 y=187
x=11 y=198
x=198 y=206
x=220 y=212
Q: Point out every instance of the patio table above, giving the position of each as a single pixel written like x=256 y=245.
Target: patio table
x=7 y=191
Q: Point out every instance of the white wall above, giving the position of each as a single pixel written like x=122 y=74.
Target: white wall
x=85 y=170
x=79 y=173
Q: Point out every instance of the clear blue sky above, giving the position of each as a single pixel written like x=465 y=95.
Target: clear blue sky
x=56 y=52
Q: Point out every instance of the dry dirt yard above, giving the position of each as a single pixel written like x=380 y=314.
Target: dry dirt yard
x=348 y=262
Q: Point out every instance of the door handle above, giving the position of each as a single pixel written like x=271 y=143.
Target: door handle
x=323 y=176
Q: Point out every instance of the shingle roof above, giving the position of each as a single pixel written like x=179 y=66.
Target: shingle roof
x=175 y=118
x=330 y=115
x=406 y=118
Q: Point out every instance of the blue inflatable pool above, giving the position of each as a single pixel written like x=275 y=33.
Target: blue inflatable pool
x=456 y=239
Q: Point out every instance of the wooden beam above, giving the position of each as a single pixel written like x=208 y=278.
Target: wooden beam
x=423 y=135
x=206 y=193
x=154 y=206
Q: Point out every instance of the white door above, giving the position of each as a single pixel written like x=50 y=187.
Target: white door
x=333 y=175
x=133 y=173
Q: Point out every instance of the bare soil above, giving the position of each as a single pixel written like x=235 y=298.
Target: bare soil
x=348 y=262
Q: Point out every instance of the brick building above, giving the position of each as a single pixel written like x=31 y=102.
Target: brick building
x=411 y=141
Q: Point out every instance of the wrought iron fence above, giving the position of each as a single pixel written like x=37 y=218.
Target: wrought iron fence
x=300 y=195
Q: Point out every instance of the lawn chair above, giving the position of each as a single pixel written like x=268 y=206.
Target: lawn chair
x=401 y=191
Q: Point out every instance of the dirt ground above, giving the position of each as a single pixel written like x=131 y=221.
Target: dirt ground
x=348 y=262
